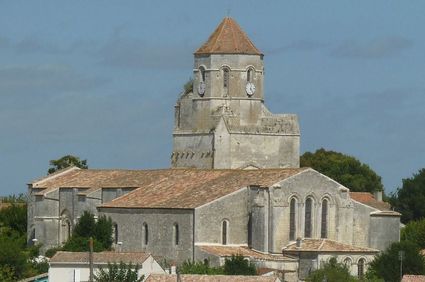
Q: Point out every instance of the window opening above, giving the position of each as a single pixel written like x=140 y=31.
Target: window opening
x=324 y=227
x=292 y=220
x=307 y=227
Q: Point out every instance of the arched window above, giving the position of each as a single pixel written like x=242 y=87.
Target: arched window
x=224 y=232
x=115 y=233
x=347 y=263
x=201 y=74
x=65 y=227
x=324 y=224
x=226 y=75
x=360 y=267
x=250 y=75
x=308 y=221
x=145 y=235
x=292 y=219
x=176 y=234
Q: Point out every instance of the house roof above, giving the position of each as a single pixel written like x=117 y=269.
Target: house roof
x=413 y=278
x=369 y=200
x=228 y=251
x=228 y=38
x=326 y=245
x=100 y=258
x=209 y=278
x=191 y=188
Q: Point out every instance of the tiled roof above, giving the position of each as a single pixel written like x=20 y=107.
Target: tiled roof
x=209 y=278
x=326 y=245
x=413 y=278
x=100 y=258
x=191 y=188
x=369 y=200
x=228 y=38
x=228 y=251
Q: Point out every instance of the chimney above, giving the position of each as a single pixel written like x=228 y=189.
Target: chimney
x=377 y=194
x=298 y=242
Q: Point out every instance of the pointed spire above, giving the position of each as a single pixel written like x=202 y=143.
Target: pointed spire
x=228 y=38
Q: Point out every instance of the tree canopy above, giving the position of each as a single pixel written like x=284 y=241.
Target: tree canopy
x=66 y=161
x=386 y=265
x=86 y=227
x=118 y=273
x=235 y=265
x=331 y=271
x=414 y=231
x=347 y=170
x=410 y=198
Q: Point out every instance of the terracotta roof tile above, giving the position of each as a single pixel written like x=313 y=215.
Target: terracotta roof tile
x=209 y=278
x=413 y=278
x=228 y=251
x=228 y=38
x=369 y=200
x=100 y=258
x=191 y=188
x=326 y=245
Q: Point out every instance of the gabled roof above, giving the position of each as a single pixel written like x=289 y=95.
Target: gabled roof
x=228 y=251
x=228 y=38
x=191 y=188
x=369 y=200
x=209 y=278
x=100 y=258
x=326 y=245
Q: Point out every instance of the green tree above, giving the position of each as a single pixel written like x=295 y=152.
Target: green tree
x=347 y=170
x=86 y=227
x=15 y=218
x=66 y=161
x=103 y=231
x=7 y=274
x=410 y=198
x=12 y=257
x=238 y=265
x=199 y=267
x=331 y=271
x=414 y=232
x=118 y=273
x=188 y=86
x=386 y=265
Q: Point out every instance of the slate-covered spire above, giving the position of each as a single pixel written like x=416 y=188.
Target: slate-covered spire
x=228 y=38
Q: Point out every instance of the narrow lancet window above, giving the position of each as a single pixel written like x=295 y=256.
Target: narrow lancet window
x=202 y=74
x=308 y=221
x=250 y=75
x=176 y=234
x=360 y=268
x=145 y=234
x=226 y=74
x=115 y=233
x=224 y=230
x=292 y=220
x=324 y=227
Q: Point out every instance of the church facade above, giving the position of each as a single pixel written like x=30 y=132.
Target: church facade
x=235 y=186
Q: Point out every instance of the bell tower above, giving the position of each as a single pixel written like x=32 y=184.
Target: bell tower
x=223 y=122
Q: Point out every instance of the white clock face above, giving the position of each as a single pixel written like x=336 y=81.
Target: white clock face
x=250 y=88
x=201 y=88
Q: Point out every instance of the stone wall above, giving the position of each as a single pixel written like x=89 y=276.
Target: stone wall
x=384 y=230
x=160 y=224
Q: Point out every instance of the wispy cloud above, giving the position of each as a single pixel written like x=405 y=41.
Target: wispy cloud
x=44 y=79
x=126 y=52
x=299 y=45
x=374 y=49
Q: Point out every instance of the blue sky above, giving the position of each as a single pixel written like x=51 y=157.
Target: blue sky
x=99 y=79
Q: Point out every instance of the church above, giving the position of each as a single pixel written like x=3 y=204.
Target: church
x=235 y=185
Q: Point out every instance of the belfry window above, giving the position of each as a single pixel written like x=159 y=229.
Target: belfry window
x=324 y=223
x=292 y=220
x=250 y=75
x=226 y=74
x=145 y=234
x=224 y=232
x=176 y=234
x=201 y=74
x=308 y=221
